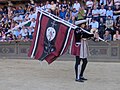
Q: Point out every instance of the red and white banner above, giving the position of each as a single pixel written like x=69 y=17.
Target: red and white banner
x=52 y=38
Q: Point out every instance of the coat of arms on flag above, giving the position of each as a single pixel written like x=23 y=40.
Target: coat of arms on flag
x=51 y=38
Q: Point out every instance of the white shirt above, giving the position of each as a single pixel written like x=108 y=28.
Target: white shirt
x=32 y=24
x=102 y=12
x=95 y=12
x=23 y=32
x=77 y=6
x=94 y=24
x=89 y=4
x=47 y=7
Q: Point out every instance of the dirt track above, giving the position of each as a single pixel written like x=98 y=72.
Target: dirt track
x=35 y=75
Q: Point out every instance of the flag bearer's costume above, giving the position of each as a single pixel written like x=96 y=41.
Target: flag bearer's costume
x=80 y=50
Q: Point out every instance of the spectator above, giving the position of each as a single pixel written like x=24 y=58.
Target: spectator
x=109 y=12
x=81 y=13
x=103 y=2
x=89 y=16
x=109 y=3
x=89 y=4
x=24 y=32
x=74 y=13
x=103 y=12
x=101 y=29
x=116 y=36
x=95 y=13
x=117 y=24
x=116 y=2
x=64 y=5
x=62 y=13
x=116 y=12
x=76 y=5
x=70 y=6
x=109 y=25
x=68 y=13
x=94 y=28
x=47 y=6
x=107 y=36
x=53 y=6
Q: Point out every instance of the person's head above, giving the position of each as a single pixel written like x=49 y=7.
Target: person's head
x=93 y=20
x=109 y=8
x=117 y=32
x=107 y=32
x=52 y=2
x=66 y=18
x=117 y=6
x=74 y=9
x=101 y=19
x=65 y=2
x=102 y=6
x=94 y=7
x=47 y=2
x=63 y=9
x=73 y=18
x=109 y=17
x=76 y=1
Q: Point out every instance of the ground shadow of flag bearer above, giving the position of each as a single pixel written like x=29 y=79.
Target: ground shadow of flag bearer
x=79 y=48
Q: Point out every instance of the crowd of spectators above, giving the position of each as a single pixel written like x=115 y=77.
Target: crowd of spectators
x=103 y=18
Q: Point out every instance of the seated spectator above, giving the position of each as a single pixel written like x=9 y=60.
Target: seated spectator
x=81 y=14
x=75 y=13
x=109 y=12
x=116 y=12
x=107 y=36
x=43 y=7
x=64 y=5
x=62 y=13
x=76 y=5
x=117 y=24
x=3 y=37
x=94 y=26
x=116 y=36
x=101 y=27
x=109 y=3
x=70 y=5
x=95 y=13
x=47 y=6
x=96 y=3
x=53 y=6
x=24 y=32
x=26 y=16
x=68 y=13
x=94 y=29
x=72 y=20
x=103 y=12
x=116 y=2
x=89 y=16
x=103 y=2
x=109 y=25
x=89 y=4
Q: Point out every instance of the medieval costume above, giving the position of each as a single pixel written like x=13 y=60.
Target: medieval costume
x=80 y=50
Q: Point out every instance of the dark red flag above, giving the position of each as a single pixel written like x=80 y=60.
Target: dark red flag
x=51 y=38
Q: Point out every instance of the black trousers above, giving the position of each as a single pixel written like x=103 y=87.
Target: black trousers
x=84 y=63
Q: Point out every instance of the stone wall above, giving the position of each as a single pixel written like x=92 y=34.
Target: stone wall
x=99 y=51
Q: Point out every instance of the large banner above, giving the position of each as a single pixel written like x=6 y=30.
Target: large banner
x=51 y=38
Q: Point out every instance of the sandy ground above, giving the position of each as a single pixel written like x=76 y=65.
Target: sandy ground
x=36 y=75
